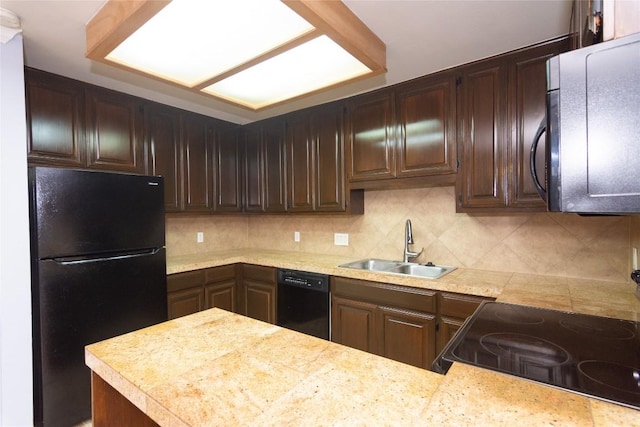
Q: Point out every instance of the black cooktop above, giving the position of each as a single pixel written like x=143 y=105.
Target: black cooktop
x=593 y=355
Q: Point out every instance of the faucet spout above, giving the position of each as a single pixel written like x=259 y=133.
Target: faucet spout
x=408 y=240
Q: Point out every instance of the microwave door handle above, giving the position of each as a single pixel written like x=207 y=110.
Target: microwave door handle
x=532 y=158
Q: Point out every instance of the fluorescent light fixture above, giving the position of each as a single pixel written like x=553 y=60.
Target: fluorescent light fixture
x=252 y=53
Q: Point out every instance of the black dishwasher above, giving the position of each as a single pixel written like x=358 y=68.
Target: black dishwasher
x=303 y=302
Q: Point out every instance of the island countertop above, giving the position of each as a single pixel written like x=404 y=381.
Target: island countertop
x=219 y=368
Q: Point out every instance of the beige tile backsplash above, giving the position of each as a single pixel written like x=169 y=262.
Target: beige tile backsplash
x=542 y=243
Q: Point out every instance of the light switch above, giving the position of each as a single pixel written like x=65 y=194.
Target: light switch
x=296 y=236
x=200 y=237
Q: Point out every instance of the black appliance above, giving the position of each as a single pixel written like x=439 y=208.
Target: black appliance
x=303 y=302
x=591 y=141
x=98 y=270
x=592 y=355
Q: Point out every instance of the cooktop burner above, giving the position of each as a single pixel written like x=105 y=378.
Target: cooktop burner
x=593 y=355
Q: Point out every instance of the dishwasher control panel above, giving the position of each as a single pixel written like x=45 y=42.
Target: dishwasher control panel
x=304 y=279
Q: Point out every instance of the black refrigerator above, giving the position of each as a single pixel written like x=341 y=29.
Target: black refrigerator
x=98 y=271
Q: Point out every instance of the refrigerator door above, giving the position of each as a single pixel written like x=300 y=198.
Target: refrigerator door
x=81 y=302
x=85 y=212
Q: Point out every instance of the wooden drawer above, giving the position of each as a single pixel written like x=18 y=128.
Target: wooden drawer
x=460 y=306
x=219 y=274
x=385 y=294
x=259 y=273
x=188 y=279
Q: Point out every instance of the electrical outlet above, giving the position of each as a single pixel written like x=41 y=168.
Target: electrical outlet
x=296 y=236
x=634 y=259
x=341 y=239
x=200 y=237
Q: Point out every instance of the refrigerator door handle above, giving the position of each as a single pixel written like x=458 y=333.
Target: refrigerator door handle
x=102 y=257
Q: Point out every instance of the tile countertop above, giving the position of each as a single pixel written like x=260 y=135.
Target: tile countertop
x=595 y=297
x=219 y=368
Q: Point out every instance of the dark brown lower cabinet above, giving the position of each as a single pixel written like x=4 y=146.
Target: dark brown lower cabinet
x=406 y=324
x=408 y=336
x=454 y=310
x=392 y=321
x=185 y=293
x=220 y=287
x=353 y=324
x=258 y=292
x=197 y=290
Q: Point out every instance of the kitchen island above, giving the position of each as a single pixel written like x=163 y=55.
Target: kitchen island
x=219 y=368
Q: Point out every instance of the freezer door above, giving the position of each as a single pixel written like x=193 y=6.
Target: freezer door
x=82 y=302
x=77 y=212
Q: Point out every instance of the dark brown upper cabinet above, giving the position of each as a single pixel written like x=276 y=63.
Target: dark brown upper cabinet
x=253 y=169
x=226 y=170
x=55 y=117
x=114 y=131
x=328 y=135
x=483 y=133
x=274 y=166
x=371 y=137
x=426 y=112
x=162 y=134
x=300 y=163
x=404 y=135
x=501 y=102
x=528 y=88
x=264 y=167
x=315 y=162
x=197 y=146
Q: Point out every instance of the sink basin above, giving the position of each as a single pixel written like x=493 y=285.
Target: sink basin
x=372 y=264
x=429 y=271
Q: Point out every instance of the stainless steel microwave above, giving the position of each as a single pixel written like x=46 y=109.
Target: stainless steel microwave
x=585 y=157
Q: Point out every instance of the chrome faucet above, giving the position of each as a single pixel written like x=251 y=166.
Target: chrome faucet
x=408 y=240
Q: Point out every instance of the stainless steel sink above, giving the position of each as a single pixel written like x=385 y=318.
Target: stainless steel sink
x=428 y=271
x=372 y=264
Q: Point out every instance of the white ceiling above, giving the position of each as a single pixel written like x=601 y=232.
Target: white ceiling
x=422 y=36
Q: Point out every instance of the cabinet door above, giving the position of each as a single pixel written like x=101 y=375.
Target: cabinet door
x=260 y=301
x=481 y=182
x=114 y=131
x=184 y=302
x=253 y=169
x=221 y=295
x=226 y=168
x=197 y=158
x=258 y=293
x=220 y=287
x=275 y=187
x=447 y=328
x=426 y=127
x=353 y=323
x=330 y=185
x=408 y=336
x=528 y=85
x=162 y=131
x=371 y=137
x=454 y=310
x=300 y=164
x=55 y=120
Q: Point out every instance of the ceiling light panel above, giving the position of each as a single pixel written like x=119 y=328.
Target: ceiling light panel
x=254 y=53
x=192 y=41
x=312 y=66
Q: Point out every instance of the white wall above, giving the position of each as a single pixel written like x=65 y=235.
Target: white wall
x=16 y=401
